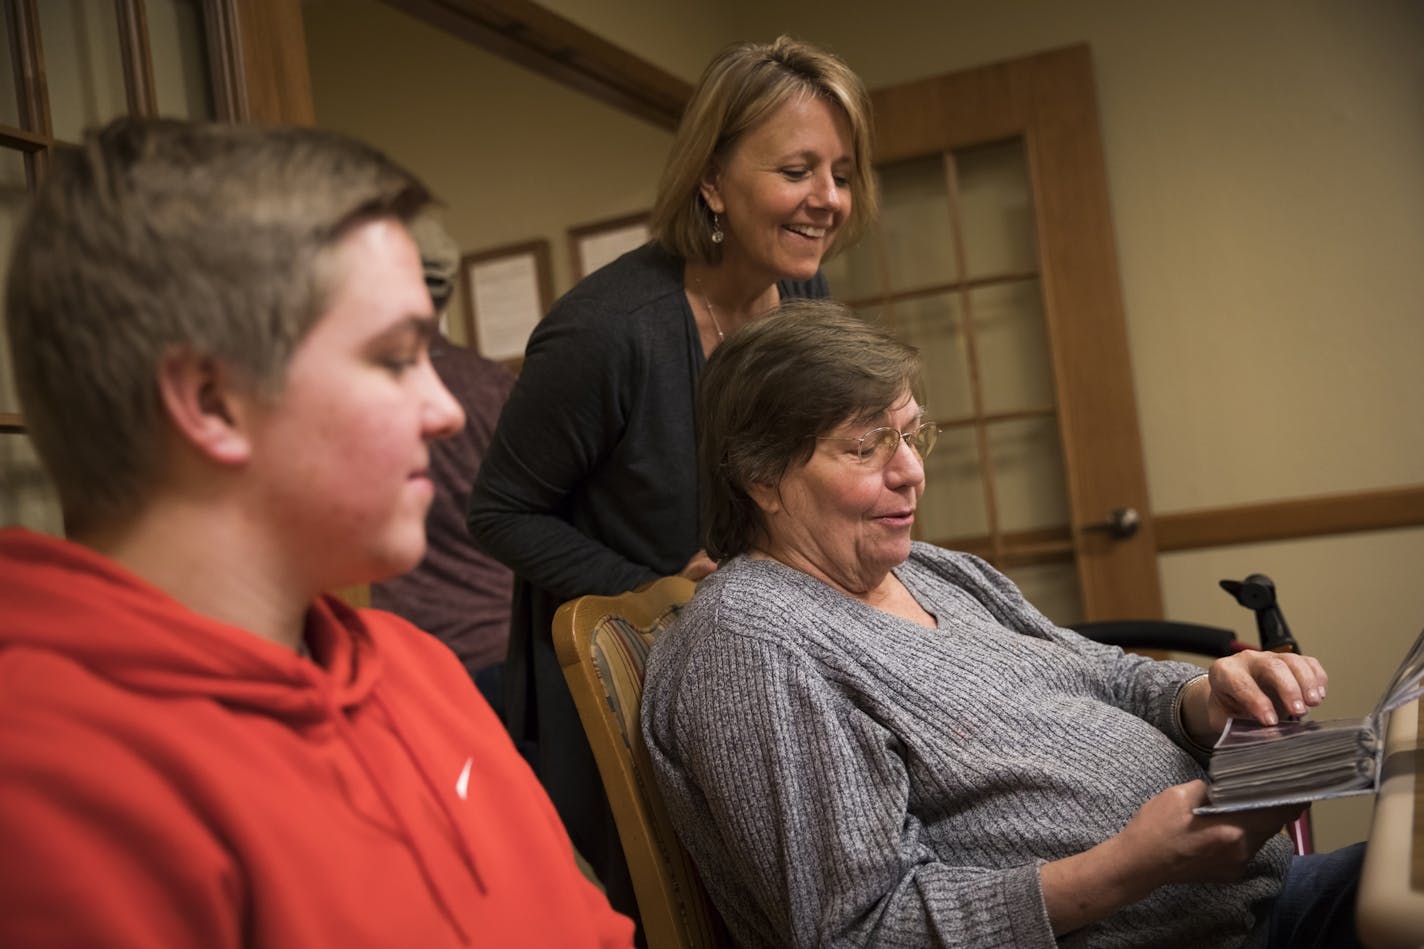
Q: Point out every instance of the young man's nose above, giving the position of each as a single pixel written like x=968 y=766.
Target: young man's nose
x=443 y=415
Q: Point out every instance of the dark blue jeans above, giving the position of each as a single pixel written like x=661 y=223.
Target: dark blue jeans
x=1316 y=906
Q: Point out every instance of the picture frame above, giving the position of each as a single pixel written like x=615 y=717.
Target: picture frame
x=591 y=246
x=507 y=290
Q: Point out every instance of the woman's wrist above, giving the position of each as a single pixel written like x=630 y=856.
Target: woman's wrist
x=1189 y=711
x=1094 y=884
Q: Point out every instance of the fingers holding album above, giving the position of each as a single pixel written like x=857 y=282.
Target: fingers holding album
x=1264 y=686
x=1165 y=842
x=1196 y=848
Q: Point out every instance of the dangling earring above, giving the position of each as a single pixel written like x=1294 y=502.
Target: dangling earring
x=717 y=235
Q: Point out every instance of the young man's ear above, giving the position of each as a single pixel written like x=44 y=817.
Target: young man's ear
x=711 y=188
x=205 y=405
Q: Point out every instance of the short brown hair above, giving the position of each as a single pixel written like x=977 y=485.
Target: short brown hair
x=155 y=234
x=742 y=85
x=771 y=388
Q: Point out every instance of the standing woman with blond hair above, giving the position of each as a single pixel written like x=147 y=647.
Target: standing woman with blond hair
x=589 y=486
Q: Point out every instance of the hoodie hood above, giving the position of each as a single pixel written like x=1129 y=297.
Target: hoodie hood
x=203 y=773
x=64 y=598
x=67 y=598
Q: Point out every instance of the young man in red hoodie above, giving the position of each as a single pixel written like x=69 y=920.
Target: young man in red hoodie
x=220 y=342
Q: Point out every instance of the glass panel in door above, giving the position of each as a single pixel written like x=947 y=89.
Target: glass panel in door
x=181 y=77
x=9 y=99
x=952 y=268
x=26 y=495
x=84 y=66
x=14 y=198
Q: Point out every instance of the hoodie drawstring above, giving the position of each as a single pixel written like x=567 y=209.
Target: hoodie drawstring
x=460 y=842
x=344 y=728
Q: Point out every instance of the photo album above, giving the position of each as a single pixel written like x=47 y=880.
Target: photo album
x=1255 y=765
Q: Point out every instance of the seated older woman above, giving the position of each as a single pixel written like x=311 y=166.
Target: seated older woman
x=866 y=740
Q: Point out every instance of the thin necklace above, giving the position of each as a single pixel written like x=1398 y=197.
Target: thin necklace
x=707 y=302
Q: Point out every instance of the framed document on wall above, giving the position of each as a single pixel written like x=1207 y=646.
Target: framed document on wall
x=593 y=245
x=507 y=292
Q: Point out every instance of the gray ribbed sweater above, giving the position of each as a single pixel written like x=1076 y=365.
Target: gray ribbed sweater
x=846 y=778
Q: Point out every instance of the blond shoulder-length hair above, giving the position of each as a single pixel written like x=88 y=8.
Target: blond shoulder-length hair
x=742 y=85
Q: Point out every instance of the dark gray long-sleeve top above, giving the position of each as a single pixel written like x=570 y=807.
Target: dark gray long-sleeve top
x=846 y=778
x=589 y=484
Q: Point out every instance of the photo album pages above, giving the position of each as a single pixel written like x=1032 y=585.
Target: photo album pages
x=1256 y=765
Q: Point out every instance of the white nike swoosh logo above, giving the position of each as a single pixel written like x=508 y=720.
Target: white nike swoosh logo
x=462 y=783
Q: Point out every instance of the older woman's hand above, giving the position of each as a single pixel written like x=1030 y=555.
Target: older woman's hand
x=1263 y=686
x=1254 y=684
x=1182 y=846
x=1164 y=842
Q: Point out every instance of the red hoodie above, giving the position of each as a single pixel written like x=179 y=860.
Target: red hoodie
x=167 y=780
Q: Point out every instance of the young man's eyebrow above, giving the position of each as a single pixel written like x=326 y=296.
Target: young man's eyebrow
x=422 y=325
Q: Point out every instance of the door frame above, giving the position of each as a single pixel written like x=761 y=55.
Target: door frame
x=1049 y=101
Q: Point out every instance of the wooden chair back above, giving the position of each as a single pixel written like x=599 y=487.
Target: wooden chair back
x=602 y=644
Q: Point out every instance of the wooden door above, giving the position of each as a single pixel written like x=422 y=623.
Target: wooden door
x=995 y=255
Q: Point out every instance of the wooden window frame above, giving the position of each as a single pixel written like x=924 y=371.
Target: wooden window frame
x=256 y=52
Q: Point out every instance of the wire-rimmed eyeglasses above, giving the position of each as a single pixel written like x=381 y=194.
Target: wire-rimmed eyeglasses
x=879 y=445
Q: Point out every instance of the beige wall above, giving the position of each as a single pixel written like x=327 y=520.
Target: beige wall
x=1263 y=161
x=679 y=36
x=513 y=157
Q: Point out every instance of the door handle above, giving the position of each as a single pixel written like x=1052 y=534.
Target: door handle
x=1121 y=524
